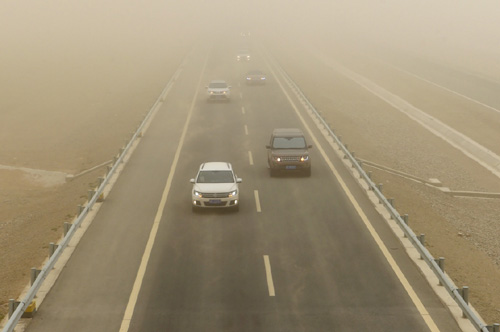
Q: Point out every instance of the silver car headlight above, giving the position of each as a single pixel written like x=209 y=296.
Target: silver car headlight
x=278 y=159
x=304 y=158
x=197 y=193
x=233 y=193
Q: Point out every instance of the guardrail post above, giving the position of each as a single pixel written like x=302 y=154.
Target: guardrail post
x=100 y=180
x=66 y=227
x=340 y=140
x=379 y=187
x=91 y=194
x=391 y=202
x=405 y=219
x=79 y=209
x=440 y=263
x=464 y=292
x=347 y=149
x=421 y=238
x=108 y=169
x=496 y=327
x=34 y=275
x=12 y=306
x=353 y=154
x=115 y=159
x=52 y=248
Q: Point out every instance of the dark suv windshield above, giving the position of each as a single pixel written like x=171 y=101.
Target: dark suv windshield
x=289 y=143
x=215 y=177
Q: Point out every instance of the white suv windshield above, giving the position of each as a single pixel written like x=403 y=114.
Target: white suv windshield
x=289 y=143
x=217 y=85
x=215 y=177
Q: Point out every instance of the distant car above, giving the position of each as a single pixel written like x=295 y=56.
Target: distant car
x=215 y=186
x=255 y=77
x=218 y=90
x=288 y=151
x=243 y=55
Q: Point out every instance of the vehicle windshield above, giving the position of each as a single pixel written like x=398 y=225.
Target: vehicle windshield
x=215 y=177
x=289 y=143
x=218 y=85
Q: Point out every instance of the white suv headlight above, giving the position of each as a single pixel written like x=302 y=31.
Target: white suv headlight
x=197 y=193
x=233 y=193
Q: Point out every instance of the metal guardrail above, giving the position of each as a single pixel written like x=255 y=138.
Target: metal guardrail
x=424 y=253
x=43 y=273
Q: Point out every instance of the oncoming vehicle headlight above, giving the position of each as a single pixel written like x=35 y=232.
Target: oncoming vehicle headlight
x=197 y=193
x=304 y=158
x=233 y=193
x=278 y=159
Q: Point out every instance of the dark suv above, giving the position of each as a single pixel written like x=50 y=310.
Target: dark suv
x=288 y=151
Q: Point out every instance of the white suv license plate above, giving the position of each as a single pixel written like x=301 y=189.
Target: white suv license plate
x=215 y=201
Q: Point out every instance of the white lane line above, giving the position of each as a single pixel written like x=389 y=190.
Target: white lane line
x=242 y=110
x=406 y=284
x=257 y=201
x=246 y=130
x=250 y=158
x=241 y=95
x=129 y=311
x=443 y=87
x=269 y=276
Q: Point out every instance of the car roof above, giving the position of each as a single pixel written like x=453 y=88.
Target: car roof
x=216 y=166
x=288 y=132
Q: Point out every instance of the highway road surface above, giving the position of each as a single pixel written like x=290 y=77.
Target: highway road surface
x=298 y=256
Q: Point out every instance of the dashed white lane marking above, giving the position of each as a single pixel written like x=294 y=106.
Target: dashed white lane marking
x=383 y=248
x=246 y=130
x=134 y=295
x=250 y=158
x=242 y=110
x=269 y=276
x=257 y=201
x=241 y=95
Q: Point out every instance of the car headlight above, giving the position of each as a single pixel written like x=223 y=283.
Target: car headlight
x=233 y=193
x=278 y=159
x=197 y=193
x=304 y=158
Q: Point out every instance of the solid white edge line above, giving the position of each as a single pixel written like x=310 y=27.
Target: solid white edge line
x=250 y=158
x=242 y=110
x=257 y=201
x=246 y=129
x=134 y=295
x=409 y=289
x=269 y=276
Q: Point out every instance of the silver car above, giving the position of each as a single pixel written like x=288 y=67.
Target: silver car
x=218 y=90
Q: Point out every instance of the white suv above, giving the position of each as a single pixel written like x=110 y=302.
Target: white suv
x=218 y=90
x=215 y=186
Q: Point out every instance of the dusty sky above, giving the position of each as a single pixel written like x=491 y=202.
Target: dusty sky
x=47 y=45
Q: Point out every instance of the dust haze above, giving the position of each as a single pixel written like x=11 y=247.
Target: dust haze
x=66 y=65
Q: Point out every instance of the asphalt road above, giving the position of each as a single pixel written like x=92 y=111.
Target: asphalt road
x=296 y=257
